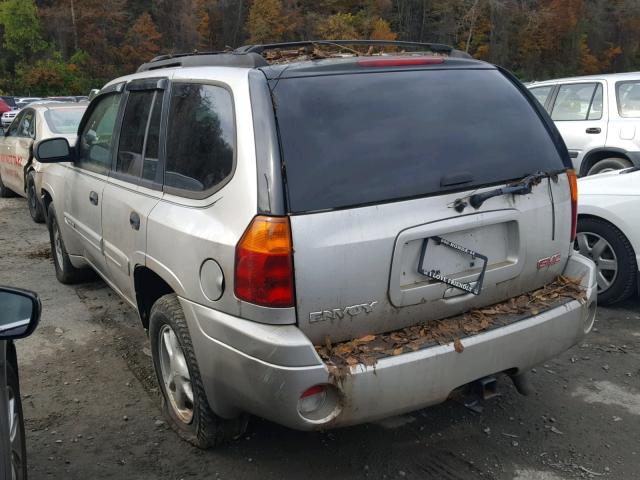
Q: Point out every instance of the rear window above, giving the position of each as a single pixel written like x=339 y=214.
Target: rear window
x=351 y=140
x=64 y=121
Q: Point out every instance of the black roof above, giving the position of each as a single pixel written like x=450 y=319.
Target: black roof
x=253 y=56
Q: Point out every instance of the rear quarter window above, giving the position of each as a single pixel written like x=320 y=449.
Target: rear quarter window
x=201 y=139
x=628 y=97
x=349 y=140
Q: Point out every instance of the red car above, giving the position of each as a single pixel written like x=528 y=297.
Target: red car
x=4 y=107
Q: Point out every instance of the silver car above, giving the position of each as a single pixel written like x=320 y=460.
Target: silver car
x=598 y=117
x=20 y=173
x=327 y=241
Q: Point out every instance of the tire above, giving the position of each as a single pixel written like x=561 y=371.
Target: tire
x=4 y=191
x=65 y=272
x=202 y=428
x=622 y=282
x=36 y=209
x=609 y=164
x=16 y=426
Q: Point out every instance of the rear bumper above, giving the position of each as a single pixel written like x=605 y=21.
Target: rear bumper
x=263 y=369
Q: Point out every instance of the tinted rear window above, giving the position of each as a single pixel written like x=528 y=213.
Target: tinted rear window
x=357 y=139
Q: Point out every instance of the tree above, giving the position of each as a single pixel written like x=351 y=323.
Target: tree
x=267 y=22
x=339 y=26
x=141 y=43
x=382 y=31
x=21 y=28
x=54 y=76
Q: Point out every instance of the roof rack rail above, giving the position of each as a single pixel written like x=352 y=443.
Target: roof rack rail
x=250 y=56
x=432 y=47
x=205 y=59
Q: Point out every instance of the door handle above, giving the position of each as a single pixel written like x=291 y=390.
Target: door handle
x=134 y=221
x=594 y=130
x=93 y=197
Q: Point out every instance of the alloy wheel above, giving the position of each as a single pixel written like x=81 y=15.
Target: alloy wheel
x=15 y=436
x=57 y=243
x=599 y=250
x=175 y=374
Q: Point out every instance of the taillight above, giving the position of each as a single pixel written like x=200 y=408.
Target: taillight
x=264 y=263
x=400 y=62
x=573 y=184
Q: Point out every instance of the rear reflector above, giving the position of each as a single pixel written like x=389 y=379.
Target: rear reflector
x=573 y=184
x=264 y=263
x=312 y=399
x=400 y=62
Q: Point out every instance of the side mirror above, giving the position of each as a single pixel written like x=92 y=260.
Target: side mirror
x=53 y=150
x=19 y=313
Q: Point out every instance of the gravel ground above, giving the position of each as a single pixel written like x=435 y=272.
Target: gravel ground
x=92 y=407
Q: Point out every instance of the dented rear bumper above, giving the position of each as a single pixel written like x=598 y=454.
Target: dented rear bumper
x=263 y=369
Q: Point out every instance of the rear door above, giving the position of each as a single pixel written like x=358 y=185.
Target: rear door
x=579 y=112
x=7 y=151
x=374 y=177
x=16 y=153
x=135 y=185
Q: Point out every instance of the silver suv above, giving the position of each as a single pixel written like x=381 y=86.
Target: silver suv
x=321 y=238
x=598 y=117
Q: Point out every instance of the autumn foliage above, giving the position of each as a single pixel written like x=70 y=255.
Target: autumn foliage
x=68 y=46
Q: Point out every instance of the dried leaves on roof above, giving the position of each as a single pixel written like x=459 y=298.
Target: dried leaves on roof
x=277 y=56
x=369 y=349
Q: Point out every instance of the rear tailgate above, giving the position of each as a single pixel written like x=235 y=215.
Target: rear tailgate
x=374 y=163
x=357 y=271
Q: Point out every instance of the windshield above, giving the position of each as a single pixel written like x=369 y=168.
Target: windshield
x=358 y=139
x=64 y=121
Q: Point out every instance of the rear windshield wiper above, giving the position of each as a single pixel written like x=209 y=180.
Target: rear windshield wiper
x=522 y=187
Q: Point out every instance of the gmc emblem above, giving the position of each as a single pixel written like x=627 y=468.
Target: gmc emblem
x=547 y=262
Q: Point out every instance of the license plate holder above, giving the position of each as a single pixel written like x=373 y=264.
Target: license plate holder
x=436 y=275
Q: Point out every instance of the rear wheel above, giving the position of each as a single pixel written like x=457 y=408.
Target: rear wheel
x=184 y=402
x=609 y=165
x=613 y=255
x=4 y=191
x=16 y=427
x=65 y=271
x=36 y=210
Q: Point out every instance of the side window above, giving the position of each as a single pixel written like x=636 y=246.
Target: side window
x=96 y=139
x=132 y=134
x=595 y=111
x=542 y=94
x=628 y=95
x=27 y=127
x=573 y=101
x=13 y=128
x=151 y=153
x=201 y=129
